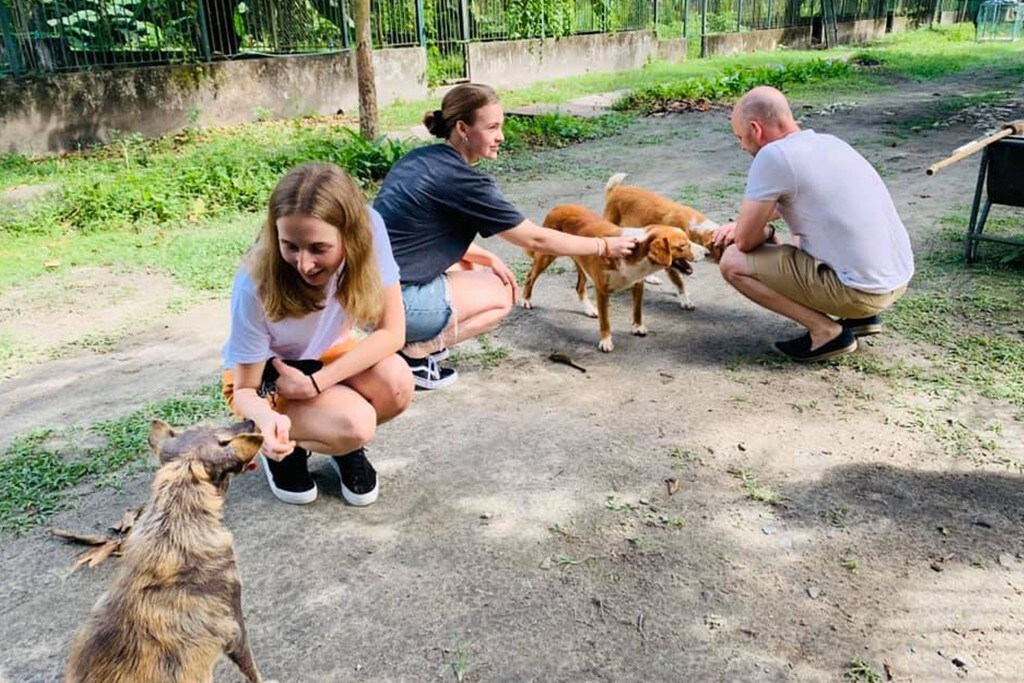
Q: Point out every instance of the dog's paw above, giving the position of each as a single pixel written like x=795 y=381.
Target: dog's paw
x=687 y=305
x=588 y=309
x=640 y=330
x=606 y=344
x=527 y=304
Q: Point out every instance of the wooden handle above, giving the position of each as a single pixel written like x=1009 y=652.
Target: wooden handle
x=1012 y=128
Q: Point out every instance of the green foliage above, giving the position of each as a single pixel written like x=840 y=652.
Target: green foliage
x=558 y=130
x=731 y=82
x=443 y=67
x=35 y=475
x=185 y=179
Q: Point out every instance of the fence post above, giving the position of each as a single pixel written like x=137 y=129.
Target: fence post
x=604 y=16
x=464 y=11
x=345 y=42
x=204 y=33
x=703 y=28
x=12 y=47
x=686 y=21
x=739 y=15
x=421 y=27
x=656 y=14
x=769 y=13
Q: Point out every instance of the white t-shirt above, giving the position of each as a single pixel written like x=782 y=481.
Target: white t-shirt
x=254 y=338
x=838 y=205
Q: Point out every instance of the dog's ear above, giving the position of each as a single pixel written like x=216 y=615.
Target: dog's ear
x=159 y=432
x=660 y=252
x=246 y=446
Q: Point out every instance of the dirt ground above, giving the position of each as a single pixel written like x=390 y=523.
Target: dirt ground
x=525 y=531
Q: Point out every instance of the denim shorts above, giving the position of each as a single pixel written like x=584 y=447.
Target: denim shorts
x=428 y=307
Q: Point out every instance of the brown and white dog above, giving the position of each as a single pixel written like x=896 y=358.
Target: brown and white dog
x=629 y=205
x=176 y=603
x=659 y=247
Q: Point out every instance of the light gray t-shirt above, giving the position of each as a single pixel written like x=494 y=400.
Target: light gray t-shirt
x=838 y=205
x=254 y=338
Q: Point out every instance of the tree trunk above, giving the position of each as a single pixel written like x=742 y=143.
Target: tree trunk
x=368 y=118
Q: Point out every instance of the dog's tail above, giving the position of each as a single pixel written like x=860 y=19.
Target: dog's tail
x=614 y=181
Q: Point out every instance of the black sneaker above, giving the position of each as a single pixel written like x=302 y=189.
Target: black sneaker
x=843 y=343
x=358 y=478
x=862 y=327
x=289 y=479
x=427 y=373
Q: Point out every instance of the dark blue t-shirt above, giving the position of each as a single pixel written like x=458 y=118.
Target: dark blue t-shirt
x=434 y=204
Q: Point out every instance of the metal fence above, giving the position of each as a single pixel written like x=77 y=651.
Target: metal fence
x=41 y=36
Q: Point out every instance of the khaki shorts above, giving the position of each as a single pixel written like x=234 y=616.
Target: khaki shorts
x=798 y=276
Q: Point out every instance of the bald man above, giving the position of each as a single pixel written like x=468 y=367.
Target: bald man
x=850 y=256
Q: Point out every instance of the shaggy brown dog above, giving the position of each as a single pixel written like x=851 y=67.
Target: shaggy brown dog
x=176 y=602
x=659 y=247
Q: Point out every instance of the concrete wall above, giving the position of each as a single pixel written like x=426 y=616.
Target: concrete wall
x=860 y=31
x=515 y=63
x=672 y=51
x=798 y=37
x=758 y=41
x=67 y=111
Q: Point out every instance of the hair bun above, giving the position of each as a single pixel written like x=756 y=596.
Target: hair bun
x=434 y=121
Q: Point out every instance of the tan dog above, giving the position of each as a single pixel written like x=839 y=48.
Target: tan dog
x=176 y=602
x=628 y=205
x=660 y=247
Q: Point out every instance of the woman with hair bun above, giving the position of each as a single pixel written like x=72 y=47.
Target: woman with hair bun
x=434 y=204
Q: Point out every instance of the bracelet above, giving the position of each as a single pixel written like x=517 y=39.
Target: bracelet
x=771 y=232
x=600 y=247
x=315 y=385
x=607 y=247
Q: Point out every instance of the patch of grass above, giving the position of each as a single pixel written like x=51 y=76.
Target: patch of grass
x=36 y=475
x=862 y=672
x=486 y=357
x=754 y=490
x=730 y=83
x=556 y=130
x=938 y=51
x=611 y=504
x=566 y=561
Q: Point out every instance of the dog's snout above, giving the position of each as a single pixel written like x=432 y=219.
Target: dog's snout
x=699 y=252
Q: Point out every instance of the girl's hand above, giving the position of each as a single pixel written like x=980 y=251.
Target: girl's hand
x=292 y=383
x=276 y=444
x=505 y=274
x=620 y=246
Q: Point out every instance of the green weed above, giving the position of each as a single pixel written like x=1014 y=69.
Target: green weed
x=753 y=490
x=862 y=672
x=36 y=476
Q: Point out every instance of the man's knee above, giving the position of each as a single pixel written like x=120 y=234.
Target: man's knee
x=733 y=264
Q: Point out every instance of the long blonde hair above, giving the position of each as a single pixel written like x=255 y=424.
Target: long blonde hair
x=325 y=192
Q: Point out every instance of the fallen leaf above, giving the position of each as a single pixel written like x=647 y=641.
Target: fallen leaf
x=84 y=539
x=128 y=520
x=673 y=485
x=94 y=557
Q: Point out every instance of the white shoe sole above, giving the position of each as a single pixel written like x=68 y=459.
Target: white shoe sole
x=290 y=497
x=441 y=355
x=359 y=500
x=424 y=383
